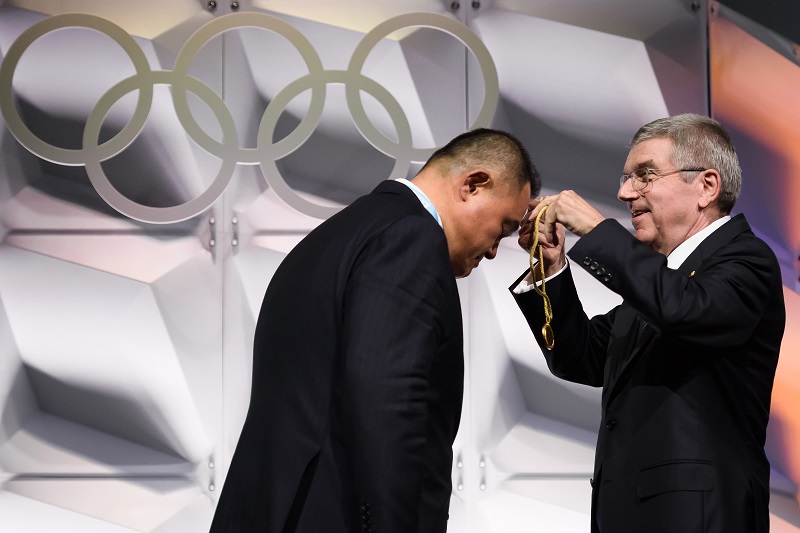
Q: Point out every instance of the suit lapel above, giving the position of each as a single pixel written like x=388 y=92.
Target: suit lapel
x=713 y=242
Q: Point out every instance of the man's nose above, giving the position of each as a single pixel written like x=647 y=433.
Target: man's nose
x=626 y=191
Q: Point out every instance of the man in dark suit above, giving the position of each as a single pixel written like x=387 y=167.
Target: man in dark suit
x=358 y=361
x=687 y=361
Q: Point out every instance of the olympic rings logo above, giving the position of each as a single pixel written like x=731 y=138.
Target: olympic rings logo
x=266 y=153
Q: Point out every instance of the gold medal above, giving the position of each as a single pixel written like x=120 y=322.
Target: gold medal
x=547 y=335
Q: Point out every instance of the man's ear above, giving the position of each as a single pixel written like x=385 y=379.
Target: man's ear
x=473 y=181
x=711 y=182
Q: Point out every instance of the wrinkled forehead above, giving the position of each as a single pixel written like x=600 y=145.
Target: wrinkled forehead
x=652 y=153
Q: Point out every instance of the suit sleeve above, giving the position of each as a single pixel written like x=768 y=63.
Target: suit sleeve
x=393 y=323
x=720 y=306
x=579 y=350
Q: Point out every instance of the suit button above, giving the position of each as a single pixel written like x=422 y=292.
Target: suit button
x=587 y=261
x=607 y=277
x=611 y=424
x=601 y=271
x=594 y=265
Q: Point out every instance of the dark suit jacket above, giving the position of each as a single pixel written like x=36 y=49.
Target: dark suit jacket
x=357 y=380
x=685 y=402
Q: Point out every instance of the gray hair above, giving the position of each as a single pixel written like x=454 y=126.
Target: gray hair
x=699 y=141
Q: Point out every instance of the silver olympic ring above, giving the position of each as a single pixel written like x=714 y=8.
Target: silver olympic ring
x=271 y=154
x=469 y=39
x=144 y=213
x=234 y=21
x=18 y=128
x=266 y=152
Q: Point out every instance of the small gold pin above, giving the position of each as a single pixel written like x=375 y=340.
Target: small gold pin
x=692 y=274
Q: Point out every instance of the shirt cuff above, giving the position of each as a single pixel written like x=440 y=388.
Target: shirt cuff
x=527 y=282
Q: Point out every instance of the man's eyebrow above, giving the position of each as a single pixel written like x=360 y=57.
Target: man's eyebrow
x=646 y=164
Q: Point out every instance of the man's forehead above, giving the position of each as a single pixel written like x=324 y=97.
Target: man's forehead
x=658 y=145
x=649 y=152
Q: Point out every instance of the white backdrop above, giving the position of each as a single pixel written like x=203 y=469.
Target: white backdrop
x=160 y=159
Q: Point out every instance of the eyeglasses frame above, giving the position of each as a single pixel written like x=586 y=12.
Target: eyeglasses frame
x=646 y=179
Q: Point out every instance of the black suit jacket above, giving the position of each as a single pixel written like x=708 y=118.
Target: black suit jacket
x=357 y=380
x=686 y=398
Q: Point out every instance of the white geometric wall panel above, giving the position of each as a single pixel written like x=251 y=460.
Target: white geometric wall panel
x=127 y=309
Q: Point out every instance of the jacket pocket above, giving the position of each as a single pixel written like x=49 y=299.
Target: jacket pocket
x=691 y=475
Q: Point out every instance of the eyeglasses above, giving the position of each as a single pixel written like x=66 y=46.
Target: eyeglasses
x=643 y=176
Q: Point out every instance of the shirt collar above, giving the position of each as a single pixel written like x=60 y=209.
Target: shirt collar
x=685 y=249
x=424 y=200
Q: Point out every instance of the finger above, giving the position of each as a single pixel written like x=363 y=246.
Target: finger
x=548 y=224
x=525 y=241
x=529 y=213
x=541 y=203
x=558 y=235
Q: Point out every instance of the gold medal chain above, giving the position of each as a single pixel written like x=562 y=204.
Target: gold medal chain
x=547 y=331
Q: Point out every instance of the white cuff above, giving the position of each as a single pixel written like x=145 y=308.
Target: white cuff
x=527 y=282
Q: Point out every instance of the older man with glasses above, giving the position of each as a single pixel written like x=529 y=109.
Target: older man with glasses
x=687 y=361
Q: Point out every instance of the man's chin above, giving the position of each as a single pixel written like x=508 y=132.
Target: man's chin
x=463 y=272
x=643 y=235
